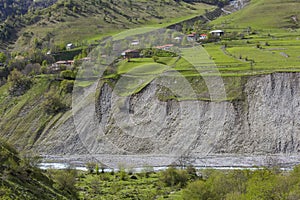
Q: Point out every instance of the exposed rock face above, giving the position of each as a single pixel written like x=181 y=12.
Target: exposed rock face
x=266 y=121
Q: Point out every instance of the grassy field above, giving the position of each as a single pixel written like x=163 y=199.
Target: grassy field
x=25 y=115
x=178 y=73
x=175 y=184
x=266 y=39
x=263 y=14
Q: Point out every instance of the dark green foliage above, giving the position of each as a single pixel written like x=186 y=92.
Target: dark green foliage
x=53 y=103
x=65 y=181
x=3 y=57
x=155 y=58
x=174 y=177
x=260 y=184
x=68 y=74
x=37 y=56
x=18 y=83
x=11 y=15
x=12 y=8
x=66 y=86
x=19 y=180
x=150 y=53
x=65 y=55
x=192 y=172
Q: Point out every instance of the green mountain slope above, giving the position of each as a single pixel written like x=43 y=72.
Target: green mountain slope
x=21 y=181
x=12 y=8
x=24 y=118
x=265 y=14
x=83 y=22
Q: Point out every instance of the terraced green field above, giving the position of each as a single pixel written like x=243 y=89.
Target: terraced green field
x=267 y=39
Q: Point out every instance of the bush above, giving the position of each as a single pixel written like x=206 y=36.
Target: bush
x=67 y=86
x=174 y=177
x=197 y=190
x=52 y=103
x=2 y=57
x=155 y=58
x=32 y=69
x=68 y=74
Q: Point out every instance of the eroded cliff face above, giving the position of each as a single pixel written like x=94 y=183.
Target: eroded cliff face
x=265 y=121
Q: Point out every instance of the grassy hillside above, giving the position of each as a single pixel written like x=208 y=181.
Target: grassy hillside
x=24 y=118
x=84 y=22
x=12 y=8
x=265 y=14
x=21 y=181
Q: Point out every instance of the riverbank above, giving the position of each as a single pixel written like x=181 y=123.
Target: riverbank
x=160 y=162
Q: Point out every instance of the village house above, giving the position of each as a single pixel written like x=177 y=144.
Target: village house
x=86 y=59
x=178 y=39
x=135 y=42
x=131 y=54
x=70 y=46
x=57 y=66
x=203 y=37
x=165 y=47
x=217 y=33
x=192 y=37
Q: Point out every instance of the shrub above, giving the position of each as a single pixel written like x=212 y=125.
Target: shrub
x=32 y=69
x=68 y=74
x=67 y=86
x=2 y=57
x=155 y=58
x=53 y=103
x=173 y=177
x=197 y=190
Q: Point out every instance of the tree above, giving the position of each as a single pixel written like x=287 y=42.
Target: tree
x=68 y=74
x=65 y=181
x=67 y=86
x=197 y=190
x=2 y=57
x=97 y=169
x=173 y=177
x=261 y=185
x=18 y=83
x=53 y=103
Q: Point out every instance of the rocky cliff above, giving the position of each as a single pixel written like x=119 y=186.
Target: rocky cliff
x=263 y=121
